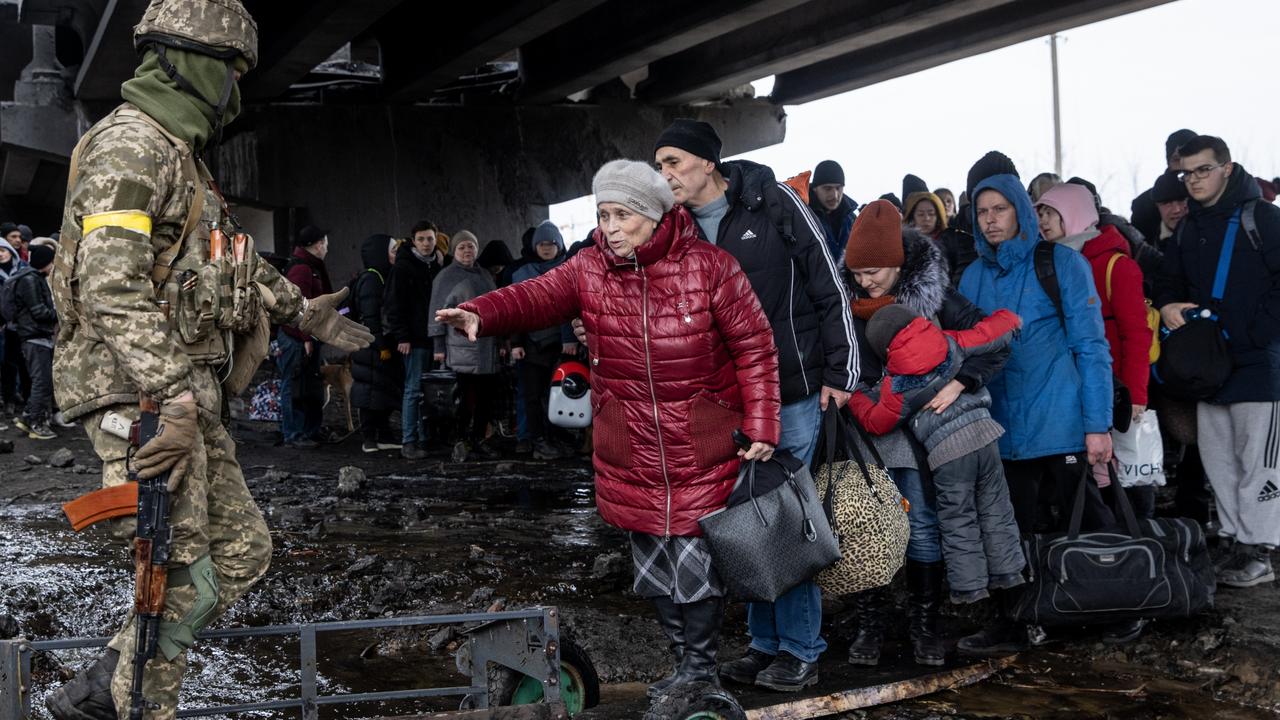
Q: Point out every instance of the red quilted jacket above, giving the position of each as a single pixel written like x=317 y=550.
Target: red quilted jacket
x=681 y=355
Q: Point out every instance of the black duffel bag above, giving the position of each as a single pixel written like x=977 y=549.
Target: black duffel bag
x=1155 y=569
x=772 y=533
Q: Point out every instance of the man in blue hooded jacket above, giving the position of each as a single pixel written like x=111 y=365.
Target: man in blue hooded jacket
x=1054 y=395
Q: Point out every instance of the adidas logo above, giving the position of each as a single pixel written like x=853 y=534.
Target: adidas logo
x=1269 y=492
x=1070 y=459
x=748 y=235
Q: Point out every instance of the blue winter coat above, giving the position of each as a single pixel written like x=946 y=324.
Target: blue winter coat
x=1056 y=385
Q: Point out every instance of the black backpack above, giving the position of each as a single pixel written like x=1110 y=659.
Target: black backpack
x=9 y=299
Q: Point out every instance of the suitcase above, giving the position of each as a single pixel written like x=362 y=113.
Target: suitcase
x=440 y=396
x=1153 y=569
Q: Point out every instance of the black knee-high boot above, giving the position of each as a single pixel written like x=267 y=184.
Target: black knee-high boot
x=869 y=606
x=671 y=618
x=702 y=621
x=924 y=600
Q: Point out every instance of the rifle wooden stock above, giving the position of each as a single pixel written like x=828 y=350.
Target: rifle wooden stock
x=105 y=504
x=149 y=587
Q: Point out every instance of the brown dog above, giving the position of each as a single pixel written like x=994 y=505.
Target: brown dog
x=337 y=376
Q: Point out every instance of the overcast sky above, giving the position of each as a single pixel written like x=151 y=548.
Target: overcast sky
x=1209 y=65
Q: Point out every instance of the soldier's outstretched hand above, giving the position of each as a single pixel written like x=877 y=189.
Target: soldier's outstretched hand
x=171 y=447
x=322 y=321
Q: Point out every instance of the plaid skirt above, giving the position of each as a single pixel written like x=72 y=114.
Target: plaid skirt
x=676 y=567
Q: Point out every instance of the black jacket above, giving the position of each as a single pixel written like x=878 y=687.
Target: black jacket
x=33 y=305
x=1250 y=307
x=376 y=373
x=1148 y=256
x=782 y=249
x=959 y=252
x=923 y=286
x=408 y=295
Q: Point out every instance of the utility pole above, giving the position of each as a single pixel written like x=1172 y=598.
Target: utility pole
x=1057 y=111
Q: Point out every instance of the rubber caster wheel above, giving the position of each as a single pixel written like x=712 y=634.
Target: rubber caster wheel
x=695 y=701
x=579 y=684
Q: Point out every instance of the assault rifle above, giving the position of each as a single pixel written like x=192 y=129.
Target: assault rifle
x=150 y=555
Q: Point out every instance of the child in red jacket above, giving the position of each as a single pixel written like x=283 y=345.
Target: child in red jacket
x=980 y=541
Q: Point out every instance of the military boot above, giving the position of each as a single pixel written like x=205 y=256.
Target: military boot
x=88 y=695
x=924 y=600
x=672 y=620
x=869 y=606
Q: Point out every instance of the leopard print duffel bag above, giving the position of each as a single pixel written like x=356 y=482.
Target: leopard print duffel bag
x=866 y=511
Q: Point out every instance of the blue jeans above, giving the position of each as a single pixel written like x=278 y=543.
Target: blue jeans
x=415 y=363
x=793 y=622
x=295 y=422
x=925 y=544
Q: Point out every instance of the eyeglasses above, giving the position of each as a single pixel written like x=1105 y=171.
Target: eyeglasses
x=1200 y=173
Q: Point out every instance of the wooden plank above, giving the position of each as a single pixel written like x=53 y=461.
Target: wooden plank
x=823 y=705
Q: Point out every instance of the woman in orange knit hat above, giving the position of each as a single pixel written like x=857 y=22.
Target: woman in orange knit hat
x=891 y=264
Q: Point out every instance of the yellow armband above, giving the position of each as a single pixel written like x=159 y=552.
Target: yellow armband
x=134 y=220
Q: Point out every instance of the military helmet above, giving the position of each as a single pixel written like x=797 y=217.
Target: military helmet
x=220 y=28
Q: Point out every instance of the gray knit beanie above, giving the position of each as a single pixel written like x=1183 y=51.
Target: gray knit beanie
x=634 y=184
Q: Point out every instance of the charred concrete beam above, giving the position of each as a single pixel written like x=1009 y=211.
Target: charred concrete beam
x=428 y=46
x=972 y=35
x=624 y=35
x=792 y=40
x=109 y=58
x=47 y=132
x=297 y=35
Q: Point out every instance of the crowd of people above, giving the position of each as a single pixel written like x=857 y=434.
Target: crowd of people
x=990 y=343
x=712 y=295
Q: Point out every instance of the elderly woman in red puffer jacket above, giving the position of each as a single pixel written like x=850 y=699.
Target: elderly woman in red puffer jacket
x=681 y=355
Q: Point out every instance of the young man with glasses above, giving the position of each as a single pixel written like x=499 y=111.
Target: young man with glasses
x=1239 y=427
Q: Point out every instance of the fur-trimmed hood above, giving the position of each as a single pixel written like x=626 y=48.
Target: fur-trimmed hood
x=923 y=282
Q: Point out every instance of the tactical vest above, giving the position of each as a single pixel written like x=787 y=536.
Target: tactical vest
x=207 y=300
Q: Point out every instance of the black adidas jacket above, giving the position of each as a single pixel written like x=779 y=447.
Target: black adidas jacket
x=795 y=278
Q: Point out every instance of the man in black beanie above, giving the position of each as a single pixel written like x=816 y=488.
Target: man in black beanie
x=741 y=207
x=1170 y=196
x=828 y=201
x=1142 y=211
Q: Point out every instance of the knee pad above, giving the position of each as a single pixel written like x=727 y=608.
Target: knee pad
x=175 y=638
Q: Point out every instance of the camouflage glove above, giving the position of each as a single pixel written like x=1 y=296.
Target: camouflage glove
x=322 y=321
x=171 y=448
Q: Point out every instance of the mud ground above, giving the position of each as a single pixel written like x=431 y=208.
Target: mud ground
x=432 y=536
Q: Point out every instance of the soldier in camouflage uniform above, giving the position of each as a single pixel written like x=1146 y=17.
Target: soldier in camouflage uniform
x=150 y=305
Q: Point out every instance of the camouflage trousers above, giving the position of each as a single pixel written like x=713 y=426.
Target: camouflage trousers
x=213 y=516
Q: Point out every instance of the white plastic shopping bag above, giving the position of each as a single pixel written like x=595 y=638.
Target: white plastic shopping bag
x=1140 y=452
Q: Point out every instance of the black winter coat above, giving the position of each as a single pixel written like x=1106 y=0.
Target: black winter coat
x=795 y=278
x=1148 y=256
x=924 y=287
x=1250 y=307
x=35 y=314
x=958 y=251
x=408 y=295
x=375 y=369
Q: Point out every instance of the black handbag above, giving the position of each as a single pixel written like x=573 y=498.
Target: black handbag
x=1195 y=360
x=1155 y=569
x=772 y=534
x=440 y=394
